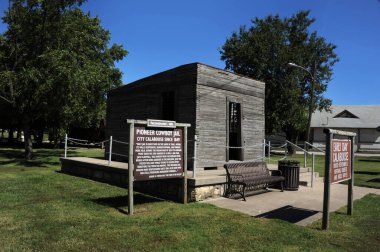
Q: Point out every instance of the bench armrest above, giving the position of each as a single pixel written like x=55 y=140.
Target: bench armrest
x=276 y=173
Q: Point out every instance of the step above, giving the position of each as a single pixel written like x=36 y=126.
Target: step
x=218 y=171
x=305 y=178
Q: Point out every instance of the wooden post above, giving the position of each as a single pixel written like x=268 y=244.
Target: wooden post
x=326 y=193
x=185 y=165
x=350 y=200
x=130 y=168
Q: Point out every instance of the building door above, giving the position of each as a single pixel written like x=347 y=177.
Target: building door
x=235 y=152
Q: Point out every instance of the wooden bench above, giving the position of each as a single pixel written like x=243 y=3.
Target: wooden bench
x=250 y=176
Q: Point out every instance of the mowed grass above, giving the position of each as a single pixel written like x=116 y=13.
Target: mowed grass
x=44 y=210
x=366 y=169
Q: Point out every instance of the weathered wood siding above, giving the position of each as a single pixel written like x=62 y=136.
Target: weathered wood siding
x=214 y=89
x=142 y=100
x=202 y=96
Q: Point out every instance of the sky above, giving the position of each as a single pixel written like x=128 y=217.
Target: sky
x=160 y=35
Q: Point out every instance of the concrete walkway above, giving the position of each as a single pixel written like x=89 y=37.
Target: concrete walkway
x=301 y=207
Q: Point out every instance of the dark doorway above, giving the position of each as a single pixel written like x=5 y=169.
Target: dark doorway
x=234 y=131
x=168 y=105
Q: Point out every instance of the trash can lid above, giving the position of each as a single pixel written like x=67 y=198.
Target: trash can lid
x=288 y=162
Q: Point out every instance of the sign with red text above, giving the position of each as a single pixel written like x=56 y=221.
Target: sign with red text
x=340 y=165
x=158 y=153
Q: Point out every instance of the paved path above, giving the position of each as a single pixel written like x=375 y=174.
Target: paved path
x=301 y=207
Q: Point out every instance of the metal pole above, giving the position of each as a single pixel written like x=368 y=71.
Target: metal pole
x=264 y=150
x=326 y=192
x=286 y=150
x=312 y=169
x=130 y=168
x=269 y=151
x=185 y=166
x=110 y=152
x=195 y=156
x=65 y=145
x=304 y=159
x=350 y=200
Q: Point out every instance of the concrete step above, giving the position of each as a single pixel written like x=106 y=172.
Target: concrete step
x=305 y=178
x=304 y=169
x=218 y=171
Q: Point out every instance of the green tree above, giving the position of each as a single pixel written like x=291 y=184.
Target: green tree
x=263 y=52
x=56 y=65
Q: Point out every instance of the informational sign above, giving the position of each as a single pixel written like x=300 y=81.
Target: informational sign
x=158 y=153
x=161 y=123
x=340 y=165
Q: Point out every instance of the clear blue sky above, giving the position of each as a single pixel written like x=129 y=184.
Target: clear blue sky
x=163 y=34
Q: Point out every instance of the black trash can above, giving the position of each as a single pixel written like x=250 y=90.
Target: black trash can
x=291 y=171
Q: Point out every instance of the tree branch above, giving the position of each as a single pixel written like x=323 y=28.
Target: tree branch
x=5 y=99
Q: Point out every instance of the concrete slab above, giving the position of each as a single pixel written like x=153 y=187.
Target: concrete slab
x=301 y=207
x=99 y=162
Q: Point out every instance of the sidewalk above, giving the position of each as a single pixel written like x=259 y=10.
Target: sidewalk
x=300 y=207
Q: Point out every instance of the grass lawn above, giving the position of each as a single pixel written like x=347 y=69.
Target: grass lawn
x=44 y=210
x=367 y=169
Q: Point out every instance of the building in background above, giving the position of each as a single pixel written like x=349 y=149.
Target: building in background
x=364 y=120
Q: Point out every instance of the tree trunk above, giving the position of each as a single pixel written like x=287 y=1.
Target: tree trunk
x=56 y=138
x=38 y=136
x=10 y=136
x=290 y=148
x=18 y=135
x=28 y=143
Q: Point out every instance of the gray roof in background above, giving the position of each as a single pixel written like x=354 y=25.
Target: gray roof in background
x=368 y=117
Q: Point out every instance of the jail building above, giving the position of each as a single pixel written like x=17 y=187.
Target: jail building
x=225 y=110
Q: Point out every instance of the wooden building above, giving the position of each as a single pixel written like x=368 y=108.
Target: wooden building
x=225 y=110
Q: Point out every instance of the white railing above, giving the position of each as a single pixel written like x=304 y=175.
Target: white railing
x=81 y=143
x=305 y=152
x=314 y=147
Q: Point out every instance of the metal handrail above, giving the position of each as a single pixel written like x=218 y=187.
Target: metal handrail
x=305 y=151
x=305 y=160
x=315 y=147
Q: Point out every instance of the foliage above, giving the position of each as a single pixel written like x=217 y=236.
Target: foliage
x=44 y=210
x=56 y=66
x=263 y=52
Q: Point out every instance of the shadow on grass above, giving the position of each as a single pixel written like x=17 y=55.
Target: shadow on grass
x=43 y=158
x=367 y=173
x=288 y=213
x=15 y=157
x=120 y=202
x=377 y=160
x=375 y=180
